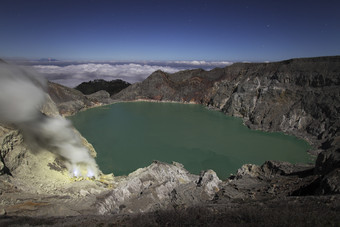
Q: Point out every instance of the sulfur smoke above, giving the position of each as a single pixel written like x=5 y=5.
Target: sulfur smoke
x=22 y=94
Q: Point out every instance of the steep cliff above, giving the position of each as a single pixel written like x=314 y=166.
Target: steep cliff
x=299 y=96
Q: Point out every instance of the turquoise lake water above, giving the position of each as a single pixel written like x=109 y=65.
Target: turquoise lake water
x=128 y=136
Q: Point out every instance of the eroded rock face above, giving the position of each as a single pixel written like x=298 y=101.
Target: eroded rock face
x=329 y=159
x=159 y=186
x=276 y=97
x=70 y=101
x=183 y=86
x=272 y=179
x=100 y=97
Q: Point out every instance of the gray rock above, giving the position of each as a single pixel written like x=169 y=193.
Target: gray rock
x=159 y=186
x=70 y=101
x=2 y=212
x=100 y=97
x=2 y=165
x=330 y=184
x=329 y=159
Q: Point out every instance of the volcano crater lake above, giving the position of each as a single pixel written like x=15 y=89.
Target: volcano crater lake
x=130 y=135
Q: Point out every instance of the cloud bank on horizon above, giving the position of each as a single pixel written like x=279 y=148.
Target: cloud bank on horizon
x=73 y=74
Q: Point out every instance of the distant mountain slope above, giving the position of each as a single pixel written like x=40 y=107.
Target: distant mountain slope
x=183 y=86
x=71 y=101
x=112 y=87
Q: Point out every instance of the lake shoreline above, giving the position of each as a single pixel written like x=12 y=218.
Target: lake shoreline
x=314 y=151
x=196 y=124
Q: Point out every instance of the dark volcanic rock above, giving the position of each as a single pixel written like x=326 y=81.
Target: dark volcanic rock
x=71 y=101
x=272 y=179
x=112 y=87
x=328 y=160
x=184 y=86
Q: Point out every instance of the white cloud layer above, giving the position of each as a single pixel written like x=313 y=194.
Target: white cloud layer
x=73 y=74
x=205 y=63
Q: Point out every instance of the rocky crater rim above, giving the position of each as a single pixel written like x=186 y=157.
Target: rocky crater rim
x=301 y=134
x=300 y=97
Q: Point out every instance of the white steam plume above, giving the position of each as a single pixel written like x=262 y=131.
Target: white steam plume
x=21 y=97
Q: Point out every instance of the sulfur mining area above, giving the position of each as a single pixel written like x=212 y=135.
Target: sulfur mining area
x=49 y=176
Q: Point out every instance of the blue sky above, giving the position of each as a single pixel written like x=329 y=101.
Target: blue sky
x=210 y=30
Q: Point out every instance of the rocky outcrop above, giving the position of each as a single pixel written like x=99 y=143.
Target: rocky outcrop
x=159 y=186
x=299 y=96
x=272 y=179
x=100 y=97
x=70 y=101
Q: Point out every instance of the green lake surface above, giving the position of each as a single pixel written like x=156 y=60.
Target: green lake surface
x=128 y=136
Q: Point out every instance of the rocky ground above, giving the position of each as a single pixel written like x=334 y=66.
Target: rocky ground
x=299 y=97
